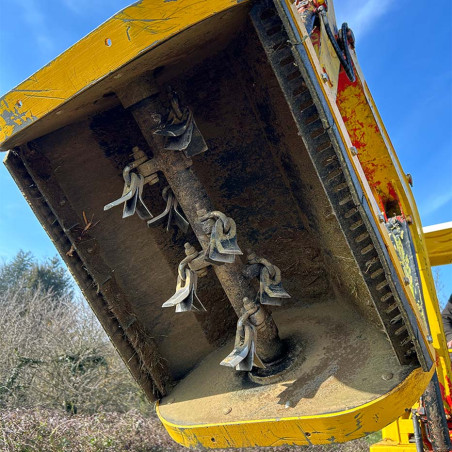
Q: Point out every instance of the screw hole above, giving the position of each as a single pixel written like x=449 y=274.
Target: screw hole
x=212 y=439
x=19 y=103
x=108 y=42
x=307 y=434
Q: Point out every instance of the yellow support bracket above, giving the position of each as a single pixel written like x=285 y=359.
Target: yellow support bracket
x=438 y=239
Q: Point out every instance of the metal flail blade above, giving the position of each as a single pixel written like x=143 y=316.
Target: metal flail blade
x=223 y=245
x=226 y=242
x=243 y=357
x=180 y=129
x=179 y=219
x=182 y=292
x=143 y=212
x=251 y=360
x=172 y=212
x=271 y=290
x=192 y=302
x=127 y=193
x=185 y=296
x=197 y=143
x=190 y=141
x=131 y=203
x=213 y=255
x=132 y=197
x=159 y=218
x=175 y=127
x=180 y=143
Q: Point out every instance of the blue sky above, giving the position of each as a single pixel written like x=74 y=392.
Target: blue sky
x=404 y=49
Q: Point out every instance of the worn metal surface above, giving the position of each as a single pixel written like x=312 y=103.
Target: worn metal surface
x=391 y=188
x=93 y=276
x=314 y=403
x=438 y=431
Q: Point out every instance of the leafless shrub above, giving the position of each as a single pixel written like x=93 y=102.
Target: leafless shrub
x=55 y=354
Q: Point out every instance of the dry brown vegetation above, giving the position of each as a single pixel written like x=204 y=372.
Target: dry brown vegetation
x=55 y=355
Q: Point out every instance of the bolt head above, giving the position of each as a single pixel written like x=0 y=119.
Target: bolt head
x=409 y=178
x=201 y=273
x=325 y=77
x=388 y=376
x=381 y=218
x=227 y=410
x=353 y=150
x=151 y=179
x=251 y=256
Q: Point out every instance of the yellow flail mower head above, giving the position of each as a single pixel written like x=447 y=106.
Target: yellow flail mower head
x=217 y=179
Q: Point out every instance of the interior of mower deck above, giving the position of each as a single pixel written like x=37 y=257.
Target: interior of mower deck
x=257 y=171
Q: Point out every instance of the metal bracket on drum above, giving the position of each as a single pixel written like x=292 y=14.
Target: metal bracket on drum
x=171 y=214
x=180 y=129
x=271 y=291
x=223 y=246
x=187 y=281
x=244 y=356
x=132 y=196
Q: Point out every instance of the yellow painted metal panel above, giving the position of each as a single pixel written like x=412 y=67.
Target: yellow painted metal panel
x=438 y=239
x=396 y=436
x=127 y=35
x=389 y=446
x=387 y=168
x=322 y=429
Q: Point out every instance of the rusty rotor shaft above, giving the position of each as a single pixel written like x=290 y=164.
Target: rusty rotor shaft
x=192 y=197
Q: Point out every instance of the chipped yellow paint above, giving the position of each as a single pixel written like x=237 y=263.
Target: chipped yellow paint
x=128 y=34
x=304 y=430
x=359 y=171
x=380 y=159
